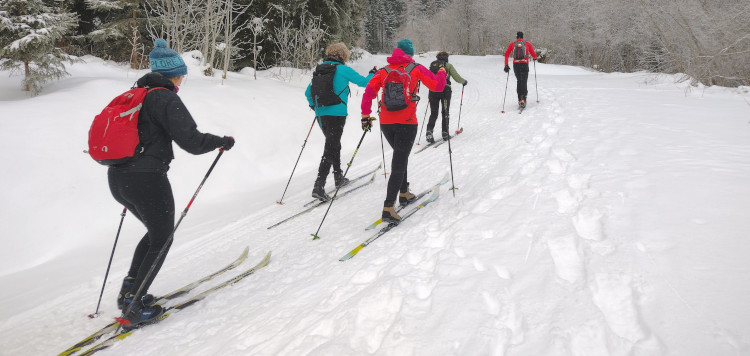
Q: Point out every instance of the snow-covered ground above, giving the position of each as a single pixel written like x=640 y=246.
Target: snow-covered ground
x=610 y=218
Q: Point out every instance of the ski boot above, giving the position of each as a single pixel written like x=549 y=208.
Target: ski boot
x=140 y=313
x=339 y=179
x=446 y=136
x=407 y=197
x=127 y=287
x=319 y=193
x=429 y=137
x=389 y=214
x=522 y=103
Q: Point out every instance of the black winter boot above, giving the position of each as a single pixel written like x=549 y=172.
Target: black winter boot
x=320 y=193
x=429 y=137
x=389 y=214
x=339 y=179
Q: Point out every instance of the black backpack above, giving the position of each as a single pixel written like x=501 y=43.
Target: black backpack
x=435 y=67
x=321 y=88
x=519 y=50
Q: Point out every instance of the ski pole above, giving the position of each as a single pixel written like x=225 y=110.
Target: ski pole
x=280 y=202
x=382 y=150
x=506 y=91
x=121 y=320
x=419 y=138
x=536 y=84
x=112 y=255
x=348 y=165
x=450 y=158
x=458 y=128
x=382 y=147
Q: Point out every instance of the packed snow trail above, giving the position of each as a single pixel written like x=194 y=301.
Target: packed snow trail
x=605 y=220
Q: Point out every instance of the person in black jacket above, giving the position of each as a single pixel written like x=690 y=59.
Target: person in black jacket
x=142 y=185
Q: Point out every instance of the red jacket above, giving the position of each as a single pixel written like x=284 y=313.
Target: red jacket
x=399 y=59
x=529 y=50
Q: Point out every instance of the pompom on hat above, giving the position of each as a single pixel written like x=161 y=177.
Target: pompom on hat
x=165 y=61
x=407 y=46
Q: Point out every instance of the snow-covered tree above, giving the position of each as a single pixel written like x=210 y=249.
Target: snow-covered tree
x=29 y=35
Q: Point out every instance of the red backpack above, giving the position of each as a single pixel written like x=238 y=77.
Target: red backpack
x=113 y=136
x=396 y=95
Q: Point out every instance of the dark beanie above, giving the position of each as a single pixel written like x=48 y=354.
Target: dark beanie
x=166 y=61
x=519 y=34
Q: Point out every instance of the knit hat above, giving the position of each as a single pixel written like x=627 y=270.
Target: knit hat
x=406 y=46
x=519 y=34
x=166 y=61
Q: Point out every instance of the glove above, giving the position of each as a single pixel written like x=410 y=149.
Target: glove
x=507 y=69
x=466 y=82
x=226 y=143
x=367 y=122
x=373 y=70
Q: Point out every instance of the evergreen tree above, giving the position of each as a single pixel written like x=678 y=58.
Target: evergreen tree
x=382 y=20
x=29 y=33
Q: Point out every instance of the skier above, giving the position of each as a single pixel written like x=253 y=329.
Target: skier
x=142 y=185
x=331 y=110
x=442 y=97
x=521 y=50
x=398 y=119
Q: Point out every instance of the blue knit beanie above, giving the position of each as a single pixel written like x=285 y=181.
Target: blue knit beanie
x=166 y=61
x=406 y=46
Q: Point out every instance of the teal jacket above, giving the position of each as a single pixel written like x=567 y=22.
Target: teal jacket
x=344 y=75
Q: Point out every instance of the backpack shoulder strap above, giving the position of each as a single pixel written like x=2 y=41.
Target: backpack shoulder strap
x=411 y=67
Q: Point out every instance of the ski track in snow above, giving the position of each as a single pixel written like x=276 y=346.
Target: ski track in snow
x=523 y=261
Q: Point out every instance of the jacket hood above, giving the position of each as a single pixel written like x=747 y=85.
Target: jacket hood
x=399 y=57
x=155 y=80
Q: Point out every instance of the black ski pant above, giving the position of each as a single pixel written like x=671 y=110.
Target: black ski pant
x=521 y=71
x=333 y=128
x=148 y=197
x=401 y=138
x=436 y=99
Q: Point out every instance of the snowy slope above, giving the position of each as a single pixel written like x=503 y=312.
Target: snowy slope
x=610 y=218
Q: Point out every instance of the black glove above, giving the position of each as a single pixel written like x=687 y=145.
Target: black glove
x=466 y=82
x=373 y=70
x=226 y=143
x=507 y=69
x=367 y=122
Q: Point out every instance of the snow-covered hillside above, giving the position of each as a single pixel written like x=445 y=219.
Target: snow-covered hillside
x=610 y=218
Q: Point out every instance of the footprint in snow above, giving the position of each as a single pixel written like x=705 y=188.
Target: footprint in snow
x=569 y=264
x=614 y=296
x=566 y=202
x=588 y=224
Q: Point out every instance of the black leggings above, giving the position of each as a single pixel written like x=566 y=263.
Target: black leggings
x=401 y=138
x=333 y=128
x=148 y=196
x=435 y=101
x=521 y=70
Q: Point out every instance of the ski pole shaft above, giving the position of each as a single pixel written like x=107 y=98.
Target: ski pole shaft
x=450 y=158
x=168 y=243
x=382 y=150
x=423 y=120
x=506 y=91
x=280 y=202
x=111 y=256
x=348 y=165
x=536 y=84
x=459 y=108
